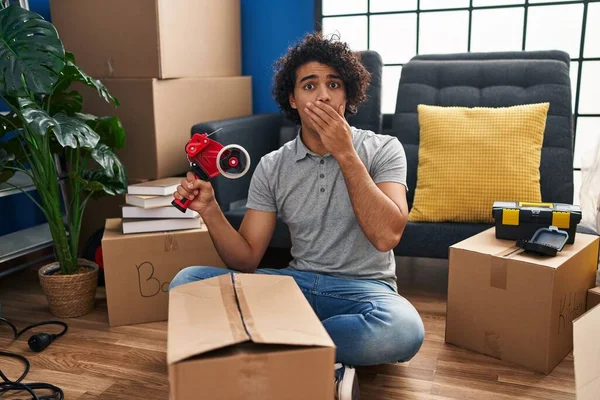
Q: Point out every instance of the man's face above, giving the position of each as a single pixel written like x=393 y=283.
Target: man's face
x=316 y=81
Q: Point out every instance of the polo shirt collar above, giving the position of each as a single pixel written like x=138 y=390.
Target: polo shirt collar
x=301 y=149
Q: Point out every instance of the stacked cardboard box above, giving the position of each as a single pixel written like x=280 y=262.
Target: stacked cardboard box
x=171 y=64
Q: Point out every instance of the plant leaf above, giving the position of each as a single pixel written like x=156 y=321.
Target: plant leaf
x=72 y=73
x=31 y=54
x=74 y=132
x=110 y=129
x=37 y=119
x=65 y=102
x=96 y=180
x=112 y=166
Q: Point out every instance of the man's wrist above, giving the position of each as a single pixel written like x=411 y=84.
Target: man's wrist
x=211 y=210
x=348 y=158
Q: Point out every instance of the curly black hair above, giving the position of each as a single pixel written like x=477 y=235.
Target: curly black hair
x=328 y=51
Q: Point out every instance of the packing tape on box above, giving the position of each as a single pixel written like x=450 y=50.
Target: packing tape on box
x=170 y=242
x=498 y=272
x=498 y=266
x=228 y=296
x=247 y=314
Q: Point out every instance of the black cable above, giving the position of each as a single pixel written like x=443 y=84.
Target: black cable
x=65 y=327
x=7 y=385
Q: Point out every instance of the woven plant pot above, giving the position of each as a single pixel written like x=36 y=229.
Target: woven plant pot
x=70 y=296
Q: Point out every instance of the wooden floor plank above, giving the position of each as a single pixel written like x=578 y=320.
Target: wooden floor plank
x=93 y=361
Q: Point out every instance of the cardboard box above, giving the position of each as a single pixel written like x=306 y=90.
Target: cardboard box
x=516 y=306
x=139 y=267
x=158 y=116
x=586 y=355
x=247 y=336
x=593 y=298
x=151 y=38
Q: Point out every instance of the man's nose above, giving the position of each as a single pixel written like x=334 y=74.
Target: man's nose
x=323 y=95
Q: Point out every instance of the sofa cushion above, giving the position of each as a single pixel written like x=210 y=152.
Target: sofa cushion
x=471 y=157
x=432 y=239
x=493 y=80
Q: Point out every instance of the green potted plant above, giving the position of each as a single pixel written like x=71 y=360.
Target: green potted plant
x=46 y=135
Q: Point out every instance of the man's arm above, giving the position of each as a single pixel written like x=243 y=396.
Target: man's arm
x=240 y=250
x=381 y=210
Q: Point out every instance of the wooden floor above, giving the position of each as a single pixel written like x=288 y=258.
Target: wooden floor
x=94 y=361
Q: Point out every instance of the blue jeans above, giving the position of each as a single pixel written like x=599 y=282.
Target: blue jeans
x=367 y=320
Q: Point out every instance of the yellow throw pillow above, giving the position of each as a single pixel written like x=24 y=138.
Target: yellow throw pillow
x=470 y=157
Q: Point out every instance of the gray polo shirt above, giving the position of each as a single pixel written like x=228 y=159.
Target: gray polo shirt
x=309 y=193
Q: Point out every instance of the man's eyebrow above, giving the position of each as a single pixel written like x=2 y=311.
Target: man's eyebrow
x=313 y=76
x=307 y=77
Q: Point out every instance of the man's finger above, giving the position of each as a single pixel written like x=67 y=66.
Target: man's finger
x=183 y=192
x=314 y=115
x=190 y=176
x=317 y=121
x=320 y=113
x=330 y=111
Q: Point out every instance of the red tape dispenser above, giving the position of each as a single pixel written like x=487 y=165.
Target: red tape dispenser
x=209 y=158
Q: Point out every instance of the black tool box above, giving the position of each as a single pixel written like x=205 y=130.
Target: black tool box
x=521 y=220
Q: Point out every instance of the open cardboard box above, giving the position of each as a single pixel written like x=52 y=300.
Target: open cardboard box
x=247 y=336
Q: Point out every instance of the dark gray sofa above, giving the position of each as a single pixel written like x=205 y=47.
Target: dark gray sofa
x=469 y=79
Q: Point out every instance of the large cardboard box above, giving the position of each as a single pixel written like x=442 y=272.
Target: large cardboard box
x=593 y=298
x=247 y=337
x=139 y=267
x=516 y=306
x=158 y=116
x=586 y=355
x=151 y=38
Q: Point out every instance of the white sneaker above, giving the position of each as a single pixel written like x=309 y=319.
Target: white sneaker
x=346 y=383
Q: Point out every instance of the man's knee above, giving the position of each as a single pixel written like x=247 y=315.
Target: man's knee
x=412 y=335
x=401 y=334
x=193 y=274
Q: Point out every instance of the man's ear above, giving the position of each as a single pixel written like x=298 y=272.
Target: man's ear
x=292 y=101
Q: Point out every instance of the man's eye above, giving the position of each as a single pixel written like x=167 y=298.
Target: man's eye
x=334 y=85
x=309 y=86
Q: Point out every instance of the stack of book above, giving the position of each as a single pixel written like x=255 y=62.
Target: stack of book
x=148 y=208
